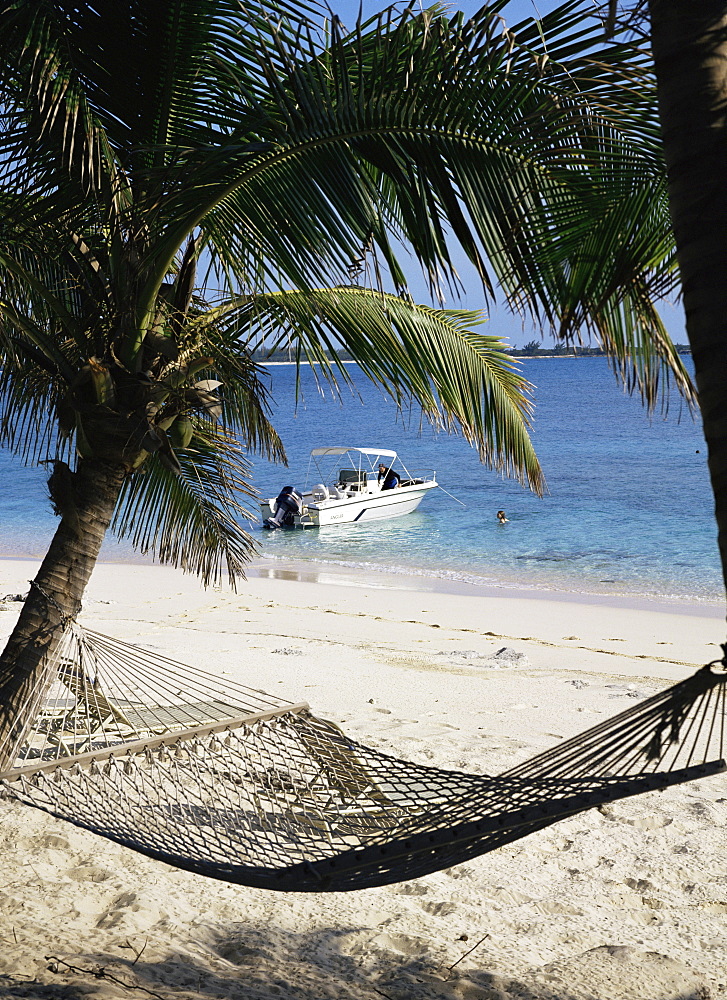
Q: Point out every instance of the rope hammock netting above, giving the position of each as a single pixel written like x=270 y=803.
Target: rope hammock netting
x=229 y=782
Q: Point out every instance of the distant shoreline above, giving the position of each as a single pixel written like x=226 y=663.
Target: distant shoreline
x=587 y=355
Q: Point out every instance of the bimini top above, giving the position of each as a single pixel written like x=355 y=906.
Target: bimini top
x=382 y=452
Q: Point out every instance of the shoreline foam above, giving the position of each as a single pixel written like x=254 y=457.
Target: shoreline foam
x=378 y=576
x=430 y=581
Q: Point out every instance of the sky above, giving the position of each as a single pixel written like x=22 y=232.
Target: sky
x=516 y=9
x=501 y=323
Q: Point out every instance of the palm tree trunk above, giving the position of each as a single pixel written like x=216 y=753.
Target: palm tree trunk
x=88 y=499
x=689 y=41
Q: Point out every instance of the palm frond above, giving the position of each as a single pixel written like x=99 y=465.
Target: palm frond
x=29 y=397
x=417 y=124
x=517 y=145
x=54 y=296
x=192 y=520
x=462 y=380
x=51 y=130
x=23 y=431
x=604 y=290
x=306 y=146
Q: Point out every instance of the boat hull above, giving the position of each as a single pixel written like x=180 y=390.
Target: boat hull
x=371 y=507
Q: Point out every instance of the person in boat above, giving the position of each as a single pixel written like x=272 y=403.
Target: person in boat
x=501 y=517
x=388 y=479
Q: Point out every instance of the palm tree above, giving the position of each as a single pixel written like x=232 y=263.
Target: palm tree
x=187 y=181
x=689 y=44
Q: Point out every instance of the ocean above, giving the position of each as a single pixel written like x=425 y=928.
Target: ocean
x=628 y=509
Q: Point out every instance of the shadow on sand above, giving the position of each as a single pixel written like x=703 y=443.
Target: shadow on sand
x=246 y=965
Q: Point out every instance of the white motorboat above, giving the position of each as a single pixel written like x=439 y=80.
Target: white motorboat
x=352 y=489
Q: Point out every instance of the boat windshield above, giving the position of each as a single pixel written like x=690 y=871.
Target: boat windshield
x=337 y=463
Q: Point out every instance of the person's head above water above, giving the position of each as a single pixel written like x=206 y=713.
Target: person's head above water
x=501 y=516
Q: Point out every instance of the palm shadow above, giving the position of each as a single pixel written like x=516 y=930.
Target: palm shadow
x=248 y=964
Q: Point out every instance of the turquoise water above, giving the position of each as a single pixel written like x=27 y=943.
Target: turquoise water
x=629 y=509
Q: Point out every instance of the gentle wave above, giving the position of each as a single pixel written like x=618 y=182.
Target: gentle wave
x=496 y=582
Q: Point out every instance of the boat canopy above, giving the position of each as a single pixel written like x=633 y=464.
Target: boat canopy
x=380 y=452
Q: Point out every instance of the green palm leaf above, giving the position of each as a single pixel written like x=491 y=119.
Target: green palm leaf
x=28 y=410
x=461 y=379
x=519 y=149
x=305 y=147
x=192 y=520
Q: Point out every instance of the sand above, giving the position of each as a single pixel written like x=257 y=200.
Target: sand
x=626 y=902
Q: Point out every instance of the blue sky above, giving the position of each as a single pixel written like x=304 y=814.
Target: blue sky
x=501 y=322
x=516 y=10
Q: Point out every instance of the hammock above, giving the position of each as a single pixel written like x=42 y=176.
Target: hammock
x=234 y=784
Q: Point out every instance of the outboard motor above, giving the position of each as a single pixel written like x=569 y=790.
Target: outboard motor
x=288 y=503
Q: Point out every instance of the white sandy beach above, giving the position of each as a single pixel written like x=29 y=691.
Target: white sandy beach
x=628 y=902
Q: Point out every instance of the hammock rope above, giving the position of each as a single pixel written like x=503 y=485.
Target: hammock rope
x=229 y=782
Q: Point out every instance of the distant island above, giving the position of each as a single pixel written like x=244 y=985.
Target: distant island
x=532 y=349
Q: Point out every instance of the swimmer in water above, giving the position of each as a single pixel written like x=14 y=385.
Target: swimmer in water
x=501 y=517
